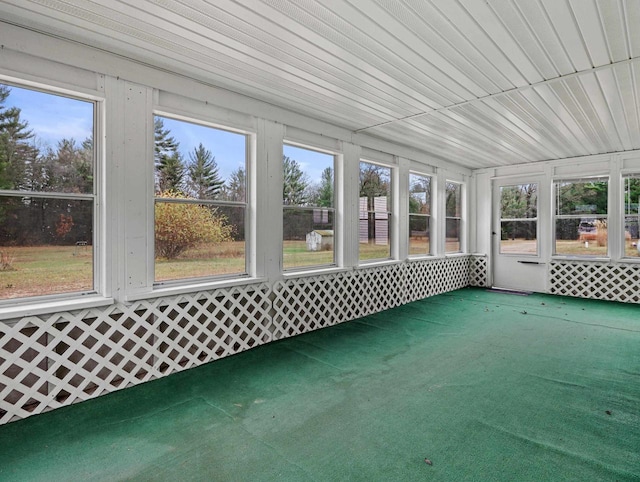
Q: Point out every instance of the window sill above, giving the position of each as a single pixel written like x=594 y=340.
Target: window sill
x=181 y=289
x=629 y=260
x=455 y=255
x=314 y=272
x=599 y=260
x=376 y=263
x=581 y=258
x=420 y=257
x=24 y=309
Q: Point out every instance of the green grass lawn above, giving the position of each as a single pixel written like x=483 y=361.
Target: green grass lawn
x=48 y=270
x=564 y=248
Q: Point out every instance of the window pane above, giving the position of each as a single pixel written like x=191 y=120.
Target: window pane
x=196 y=162
x=520 y=201
x=581 y=236
x=308 y=237
x=518 y=237
x=453 y=207
x=45 y=246
x=375 y=242
x=420 y=210
x=419 y=194
x=419 y=236
x=46 y=145
x=453 y=193
x=307 y=177
x=308 y=181
x=581 y=218
x=632 y=216
x=581 y=197
x=196 y=240
x=453 y=236
x=375 y=211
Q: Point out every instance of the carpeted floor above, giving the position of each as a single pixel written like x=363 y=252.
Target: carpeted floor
x=487 y=386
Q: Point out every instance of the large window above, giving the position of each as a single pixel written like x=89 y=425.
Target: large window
x=631 y=189
x=519 y=219
x=308 y=208
x=419 y=214
x=581 y=217
x=200 y=201
x=47 y=193
x=375 y=212
x=453 y=208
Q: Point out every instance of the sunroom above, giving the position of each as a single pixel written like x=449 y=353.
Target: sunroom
x=182 y=181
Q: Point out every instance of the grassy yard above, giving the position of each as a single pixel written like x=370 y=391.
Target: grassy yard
x=46 y=270
x=419 y=245
x=205 y=260
x=564 y=247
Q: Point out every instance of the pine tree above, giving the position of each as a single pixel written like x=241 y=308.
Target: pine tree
x=236 y=187
x=14 y=145
x=295 y=183
x=171 y=173
x=325 y=193
x=204 y=179
x=168 y=162
x=165 y=145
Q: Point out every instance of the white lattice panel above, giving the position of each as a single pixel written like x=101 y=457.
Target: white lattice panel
x=418 y=280
x=614 y=282
x=478 y=271
x=56 y=360
x=380 y=288
x=306 y=304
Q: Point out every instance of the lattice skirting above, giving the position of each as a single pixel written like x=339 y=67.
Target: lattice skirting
x=478 y=270
x=50 y=361
x=306 y=304
x=603 y=281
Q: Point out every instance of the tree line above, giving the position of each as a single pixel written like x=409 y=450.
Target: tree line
x=27 y=164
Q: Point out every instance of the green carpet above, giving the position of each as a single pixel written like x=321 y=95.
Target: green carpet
x=487 y=386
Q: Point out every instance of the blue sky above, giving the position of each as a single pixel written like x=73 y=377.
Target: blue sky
x=228 y=148
x=54 y=117
x=311 y=162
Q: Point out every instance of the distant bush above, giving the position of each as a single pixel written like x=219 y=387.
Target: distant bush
x=180 y=226
x=6 y=261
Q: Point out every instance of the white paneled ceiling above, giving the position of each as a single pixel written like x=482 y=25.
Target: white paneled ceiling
x=478 y=82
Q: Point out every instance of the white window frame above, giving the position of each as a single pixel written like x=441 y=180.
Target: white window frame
x=13 y=307
x=555 y=216
x=337 y=209
x=393 y=181
x=462 y=218
x=187 y=284
x=430 y=216
x=623 y=212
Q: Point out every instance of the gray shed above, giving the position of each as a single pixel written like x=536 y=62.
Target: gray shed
x=320 y=240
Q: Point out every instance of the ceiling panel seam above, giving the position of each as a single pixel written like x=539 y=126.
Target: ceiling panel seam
x=506 y=92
